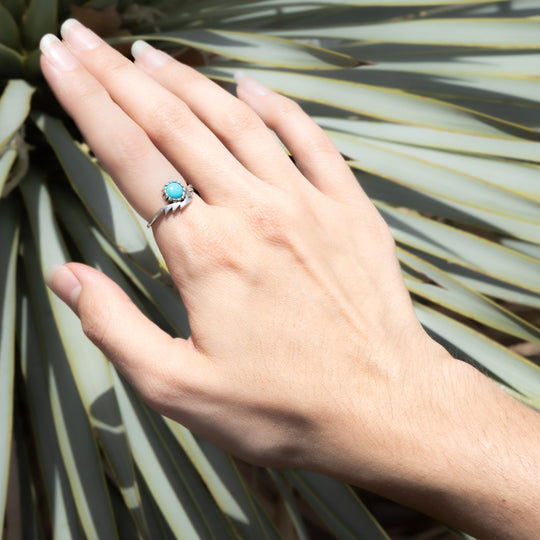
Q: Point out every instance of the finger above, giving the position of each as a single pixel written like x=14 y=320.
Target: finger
x=124 y=149
x=159 y=367
x=314 y=153
x=186 y=142
x=234 y=123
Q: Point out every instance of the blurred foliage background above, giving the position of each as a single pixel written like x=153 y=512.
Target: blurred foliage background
x=435 y=105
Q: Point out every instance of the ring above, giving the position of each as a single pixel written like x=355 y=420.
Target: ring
x=176 y=195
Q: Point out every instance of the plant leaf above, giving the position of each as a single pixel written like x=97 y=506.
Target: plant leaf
x=64 y=519
x=468 y=32
x=455 y=296
x=256 y=48
x=14 y=108
x=9 y=34
x=158 y=468
x=9 y=241
x=433 y=138
x=511 y=368
x=381 y=103
x=337 y=505
x=462 y=248
x=40 y=18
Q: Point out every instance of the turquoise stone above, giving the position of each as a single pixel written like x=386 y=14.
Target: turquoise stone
x=174 y=190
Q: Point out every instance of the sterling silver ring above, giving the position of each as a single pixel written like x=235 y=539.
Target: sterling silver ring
x=176 y=195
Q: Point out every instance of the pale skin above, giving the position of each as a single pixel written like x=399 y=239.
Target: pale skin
x=305 y=348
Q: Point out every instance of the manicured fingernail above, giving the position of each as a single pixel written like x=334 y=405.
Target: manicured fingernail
x=62 y=281
x=146 y=55
x=78 y=36
x=57 y=53
x=250 y=85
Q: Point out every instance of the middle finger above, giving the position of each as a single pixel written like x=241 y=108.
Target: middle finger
x=186 y=142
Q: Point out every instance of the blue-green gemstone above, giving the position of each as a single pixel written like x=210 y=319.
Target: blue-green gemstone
x=174 y=190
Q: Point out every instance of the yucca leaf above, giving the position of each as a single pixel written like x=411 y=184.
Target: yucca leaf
x=417 y=170
x=14 y=108
x=158 y=467
x=532 y=250
x=461 y=78
x=433 y=138
x=9 y=241
x=15 y=7
x=11 y=62
x=61 y=509
x=337 y=505
x=462 y=248
x=413 y=59
x=381 y=103
x=9 y=34
x=226 y=485
x=489 y=170
x=124 y=521
x=39 y=19
x=260 y=49
x=359 y=3
x=69 y=354
x=218 y=521
x=30 y=526
x=512 y=369
x=483 y=284
x=95 y=385
x=399 y=195
x=455 y=296
x=290 y=505
x=496 y=33
x=7 y=160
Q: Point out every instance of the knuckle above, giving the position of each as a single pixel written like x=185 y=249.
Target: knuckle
x=319 y=144
x=89 y=93
x=132 y=147
x=241 y=120
x=274 y=222
x=95 y=326
x=282 y=107
x=168 y=119
x=158 y=390
x=114 y=69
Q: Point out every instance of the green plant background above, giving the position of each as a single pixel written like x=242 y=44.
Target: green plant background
x=435 y=105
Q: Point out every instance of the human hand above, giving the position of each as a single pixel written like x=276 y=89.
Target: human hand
x=288 y=273
x=305 y=349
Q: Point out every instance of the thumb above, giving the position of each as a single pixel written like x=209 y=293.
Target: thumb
x=150 y=359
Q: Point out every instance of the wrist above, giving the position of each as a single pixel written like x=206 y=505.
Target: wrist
x=439 y=442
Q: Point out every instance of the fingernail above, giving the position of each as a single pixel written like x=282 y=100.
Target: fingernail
x=57 y=53
x=146 y=55
x=250 y=85
x=64 y=284
x=78 y=36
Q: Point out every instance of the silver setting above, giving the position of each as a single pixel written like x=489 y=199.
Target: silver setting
x=173 y=206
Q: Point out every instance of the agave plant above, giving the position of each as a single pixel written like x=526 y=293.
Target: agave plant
x=436 y=106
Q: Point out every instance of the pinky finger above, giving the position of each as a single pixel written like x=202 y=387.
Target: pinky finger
x=314 y=153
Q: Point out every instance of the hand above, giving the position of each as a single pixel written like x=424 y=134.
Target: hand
x=305 y=349
x=288 y=273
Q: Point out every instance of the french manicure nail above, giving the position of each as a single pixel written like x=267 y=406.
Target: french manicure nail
x=145 y=54
x=57 y=53
x=250 y=85
x=64 y=284
x=78 y=36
